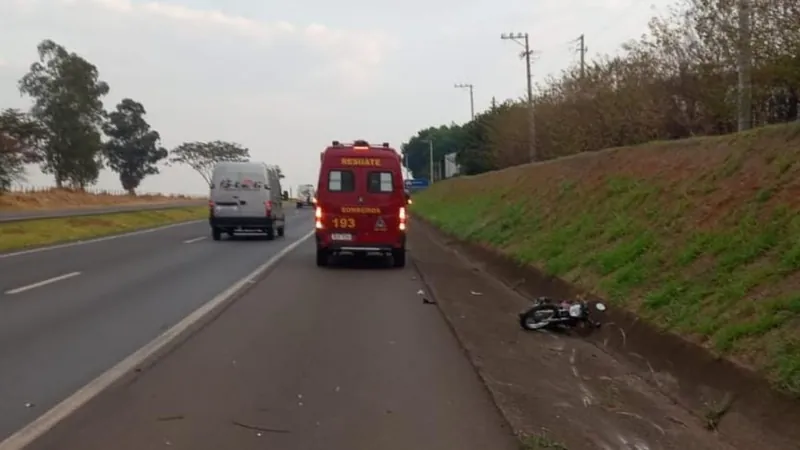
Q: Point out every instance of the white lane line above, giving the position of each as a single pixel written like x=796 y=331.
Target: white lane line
x=42 y=283
x=91 y=241
x=191 y=241
x=23 y=437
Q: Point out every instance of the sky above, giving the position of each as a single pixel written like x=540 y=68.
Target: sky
x=284 y=79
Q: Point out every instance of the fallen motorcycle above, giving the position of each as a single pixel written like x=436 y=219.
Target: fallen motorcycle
x=547 y=314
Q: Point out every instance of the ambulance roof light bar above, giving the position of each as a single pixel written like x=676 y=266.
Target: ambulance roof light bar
x=358 y=144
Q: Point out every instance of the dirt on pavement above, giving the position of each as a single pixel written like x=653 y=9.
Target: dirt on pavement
x=564 y=390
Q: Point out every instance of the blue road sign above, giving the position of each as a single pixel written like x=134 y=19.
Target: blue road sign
x=416 y=183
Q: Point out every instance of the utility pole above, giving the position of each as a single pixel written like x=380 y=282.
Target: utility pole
x=494 y=103
x=583 y=49
x=531 y=117
x=744 y=61
x=430 y=154
x=471 y=98
x=430 y=158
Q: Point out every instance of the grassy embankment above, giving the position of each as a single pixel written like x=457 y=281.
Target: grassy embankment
x=17 y=235
x=700 y=237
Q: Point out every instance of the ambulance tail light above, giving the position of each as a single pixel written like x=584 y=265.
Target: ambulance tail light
x=402 y=216
x=318 y=218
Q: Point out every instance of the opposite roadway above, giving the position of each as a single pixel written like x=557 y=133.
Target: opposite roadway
x=116 y=296
x=309 y=358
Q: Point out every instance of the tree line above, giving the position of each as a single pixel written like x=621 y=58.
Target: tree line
x=70 y=135
x=678 y=80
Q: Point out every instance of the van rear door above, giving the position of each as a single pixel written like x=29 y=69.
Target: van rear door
x=383 y=191
x=225 y=193
x=254 y=192
x=338 y=196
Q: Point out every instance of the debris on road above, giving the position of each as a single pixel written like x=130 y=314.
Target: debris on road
x=424 y=298
x=258 y=428
x=170 y=418
x=29 y=405
x=475 y=293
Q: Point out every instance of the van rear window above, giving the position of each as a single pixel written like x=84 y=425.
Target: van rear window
x=341 y=181
x=380 y=182
x=252 y=181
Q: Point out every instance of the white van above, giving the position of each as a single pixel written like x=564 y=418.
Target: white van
x=305 y=195
x=246 y=196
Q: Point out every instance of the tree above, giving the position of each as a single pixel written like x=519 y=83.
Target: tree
x=203 y=156
x=133 y=150
x=446 y=139
x=20 y=140
x=67 y=97
x=469 y=142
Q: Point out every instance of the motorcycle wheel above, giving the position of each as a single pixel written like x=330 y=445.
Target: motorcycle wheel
x=538 y=317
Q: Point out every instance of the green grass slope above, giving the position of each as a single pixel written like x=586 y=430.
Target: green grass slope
x=700 y=237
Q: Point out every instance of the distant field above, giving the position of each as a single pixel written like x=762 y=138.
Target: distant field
x=700 y=237
x=51 y=198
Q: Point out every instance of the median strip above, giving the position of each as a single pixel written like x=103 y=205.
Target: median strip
x=41 y=232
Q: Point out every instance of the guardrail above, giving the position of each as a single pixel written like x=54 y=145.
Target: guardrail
x=21 y=216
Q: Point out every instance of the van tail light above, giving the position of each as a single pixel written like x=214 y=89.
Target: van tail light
x=318 y=218
x=211 y=207
x=402 y=216
x=268 y=207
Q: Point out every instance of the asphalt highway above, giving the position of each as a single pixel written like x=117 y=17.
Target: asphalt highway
x=68 y=314
x=17 y=216
x=346 y=357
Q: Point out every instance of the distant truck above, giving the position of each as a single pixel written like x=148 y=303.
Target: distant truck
x=305 y=195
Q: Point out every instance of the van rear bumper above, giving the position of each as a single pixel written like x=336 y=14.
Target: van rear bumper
x=245 y=223
x=324 y=242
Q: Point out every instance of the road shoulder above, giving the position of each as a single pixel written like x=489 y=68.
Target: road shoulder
x=553 y=389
